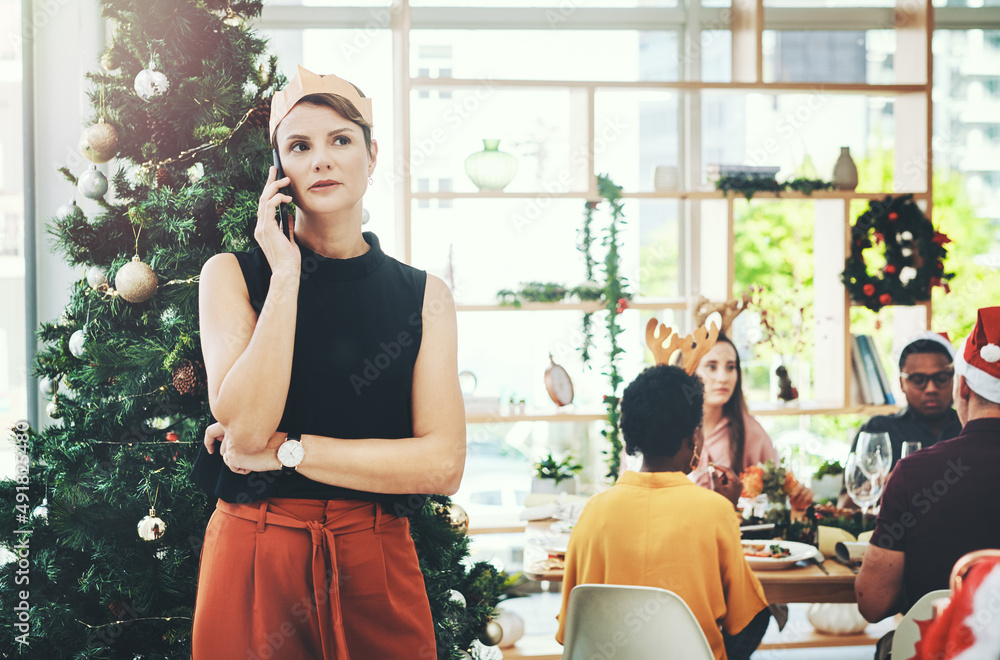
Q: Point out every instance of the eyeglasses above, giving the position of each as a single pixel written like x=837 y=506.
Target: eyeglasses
x=919 y=380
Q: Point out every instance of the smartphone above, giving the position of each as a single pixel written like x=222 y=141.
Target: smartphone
x=282 y=214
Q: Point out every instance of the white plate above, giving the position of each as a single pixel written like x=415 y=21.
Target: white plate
x=800 y=552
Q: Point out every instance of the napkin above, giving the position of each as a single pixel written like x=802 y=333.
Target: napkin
x=561 y=507
x=851 y=551
x=829 y=537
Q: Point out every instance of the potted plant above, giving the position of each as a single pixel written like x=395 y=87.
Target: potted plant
x=828 y=481
x=554 y=475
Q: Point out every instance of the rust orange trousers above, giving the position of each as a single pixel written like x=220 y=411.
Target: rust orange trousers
x=298 y=579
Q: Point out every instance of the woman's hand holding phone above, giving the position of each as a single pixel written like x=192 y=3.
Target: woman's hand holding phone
x=282 y=253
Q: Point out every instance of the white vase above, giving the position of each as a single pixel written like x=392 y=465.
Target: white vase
x=845 y=172
x=512 y=625
x=540 y=485
x=828 y=486
x=836 y=618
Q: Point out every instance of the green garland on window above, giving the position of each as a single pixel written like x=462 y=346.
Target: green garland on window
x=615 y=298
x=912 y=248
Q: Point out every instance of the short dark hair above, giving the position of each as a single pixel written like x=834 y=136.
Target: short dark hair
x=661 y=408
x=341 y=106
x=922 y=346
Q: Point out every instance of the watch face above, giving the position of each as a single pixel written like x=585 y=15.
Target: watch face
x=291 y=453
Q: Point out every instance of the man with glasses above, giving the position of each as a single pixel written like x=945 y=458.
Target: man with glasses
x=926 y=376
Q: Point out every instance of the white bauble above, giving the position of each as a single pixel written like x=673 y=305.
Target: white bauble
x=76 y=343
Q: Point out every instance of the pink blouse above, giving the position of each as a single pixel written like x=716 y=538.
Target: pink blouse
x=757 y=447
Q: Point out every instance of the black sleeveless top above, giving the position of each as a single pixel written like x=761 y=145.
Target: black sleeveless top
x=357 y=334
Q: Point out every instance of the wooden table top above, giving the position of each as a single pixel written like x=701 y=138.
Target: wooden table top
x=800 y=583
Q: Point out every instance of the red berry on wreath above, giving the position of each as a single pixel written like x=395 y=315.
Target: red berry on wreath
x=869 y=289
x=940 y=238
x=885 y=299
x=622 y=305
x=890 y=269
x=173 y=437
x=879 y=238
x=893 y=216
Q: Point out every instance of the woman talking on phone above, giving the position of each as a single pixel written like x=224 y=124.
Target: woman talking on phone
x=332 y=374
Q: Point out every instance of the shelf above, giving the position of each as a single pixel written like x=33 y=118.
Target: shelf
x=665 y=194
x=817 y=408
x=682 y=85
x=759 y=410
x=535 y=416
x=586 y=306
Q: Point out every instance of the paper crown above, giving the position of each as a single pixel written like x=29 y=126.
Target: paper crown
x=664 y=342
x=979 y=359
x=306 y=82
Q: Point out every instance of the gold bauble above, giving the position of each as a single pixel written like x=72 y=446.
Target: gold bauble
x=99 y=143
x=135 y=281
x=458 y=518
x=151 y=528
x=491 y=634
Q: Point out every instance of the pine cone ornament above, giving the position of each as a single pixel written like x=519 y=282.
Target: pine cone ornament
x=161 y=133
x=189 y=378
x=260 y=116
x=164 y=178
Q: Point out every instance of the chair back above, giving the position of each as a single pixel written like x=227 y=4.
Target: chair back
x=904 y=640
x=633 y=623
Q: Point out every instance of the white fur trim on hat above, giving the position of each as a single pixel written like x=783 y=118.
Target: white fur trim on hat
x=978 y=380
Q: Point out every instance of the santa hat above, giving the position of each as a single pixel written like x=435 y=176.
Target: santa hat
x=926 y=335
x=979 y=359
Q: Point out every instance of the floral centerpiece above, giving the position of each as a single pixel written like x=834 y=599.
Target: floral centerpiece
x=775 y=493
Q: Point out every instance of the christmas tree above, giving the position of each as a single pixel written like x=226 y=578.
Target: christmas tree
x=106 y=523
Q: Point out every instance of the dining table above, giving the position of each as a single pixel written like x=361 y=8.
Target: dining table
x=802 y=582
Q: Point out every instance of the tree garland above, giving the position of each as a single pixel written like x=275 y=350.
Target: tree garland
x=914 y=255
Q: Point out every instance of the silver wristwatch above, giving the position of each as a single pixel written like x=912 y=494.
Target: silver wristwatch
x=290 y=454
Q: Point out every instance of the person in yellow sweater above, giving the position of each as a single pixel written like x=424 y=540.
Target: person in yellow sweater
x=657 y=528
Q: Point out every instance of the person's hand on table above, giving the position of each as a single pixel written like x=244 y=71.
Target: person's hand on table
x=726 y=483
x=801 y=498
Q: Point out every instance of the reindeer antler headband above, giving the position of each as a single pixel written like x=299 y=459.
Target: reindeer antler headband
x=664 y=342
x=306 y=82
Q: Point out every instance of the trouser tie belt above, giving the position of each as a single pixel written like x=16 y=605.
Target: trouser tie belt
x=340 y=519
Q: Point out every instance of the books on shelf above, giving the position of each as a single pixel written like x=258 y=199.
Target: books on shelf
x=872 y=379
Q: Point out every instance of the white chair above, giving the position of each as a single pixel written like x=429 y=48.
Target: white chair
x=633 y=623
x=904 y=640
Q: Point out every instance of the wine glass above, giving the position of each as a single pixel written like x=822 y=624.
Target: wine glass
x=862 y=487
x=875 y=453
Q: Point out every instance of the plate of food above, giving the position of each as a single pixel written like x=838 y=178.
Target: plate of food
x=769 y=555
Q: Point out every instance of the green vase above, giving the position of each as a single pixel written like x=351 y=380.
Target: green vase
x=491 y=169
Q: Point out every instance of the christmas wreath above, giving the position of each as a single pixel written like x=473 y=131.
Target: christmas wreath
x=914 y=255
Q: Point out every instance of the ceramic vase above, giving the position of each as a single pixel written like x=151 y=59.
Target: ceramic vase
x=491 y=169
x=845 y=172
x=540 y=485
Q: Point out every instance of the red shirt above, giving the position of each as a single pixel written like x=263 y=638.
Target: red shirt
x=941 y=503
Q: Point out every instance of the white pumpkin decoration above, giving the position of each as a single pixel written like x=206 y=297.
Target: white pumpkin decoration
x=836 y=618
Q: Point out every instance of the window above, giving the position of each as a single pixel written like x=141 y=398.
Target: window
x=13 y=392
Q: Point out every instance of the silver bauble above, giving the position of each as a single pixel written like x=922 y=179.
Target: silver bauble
x=67 y=211
x=76 y=343
x=135 y=281
x=95 y=277
x=456 y=596
x=150 y=83
x=48 y=385
x=42 y=510
x=52 y=409
x=491 y=634
x=93 y=184
x=151 y=528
